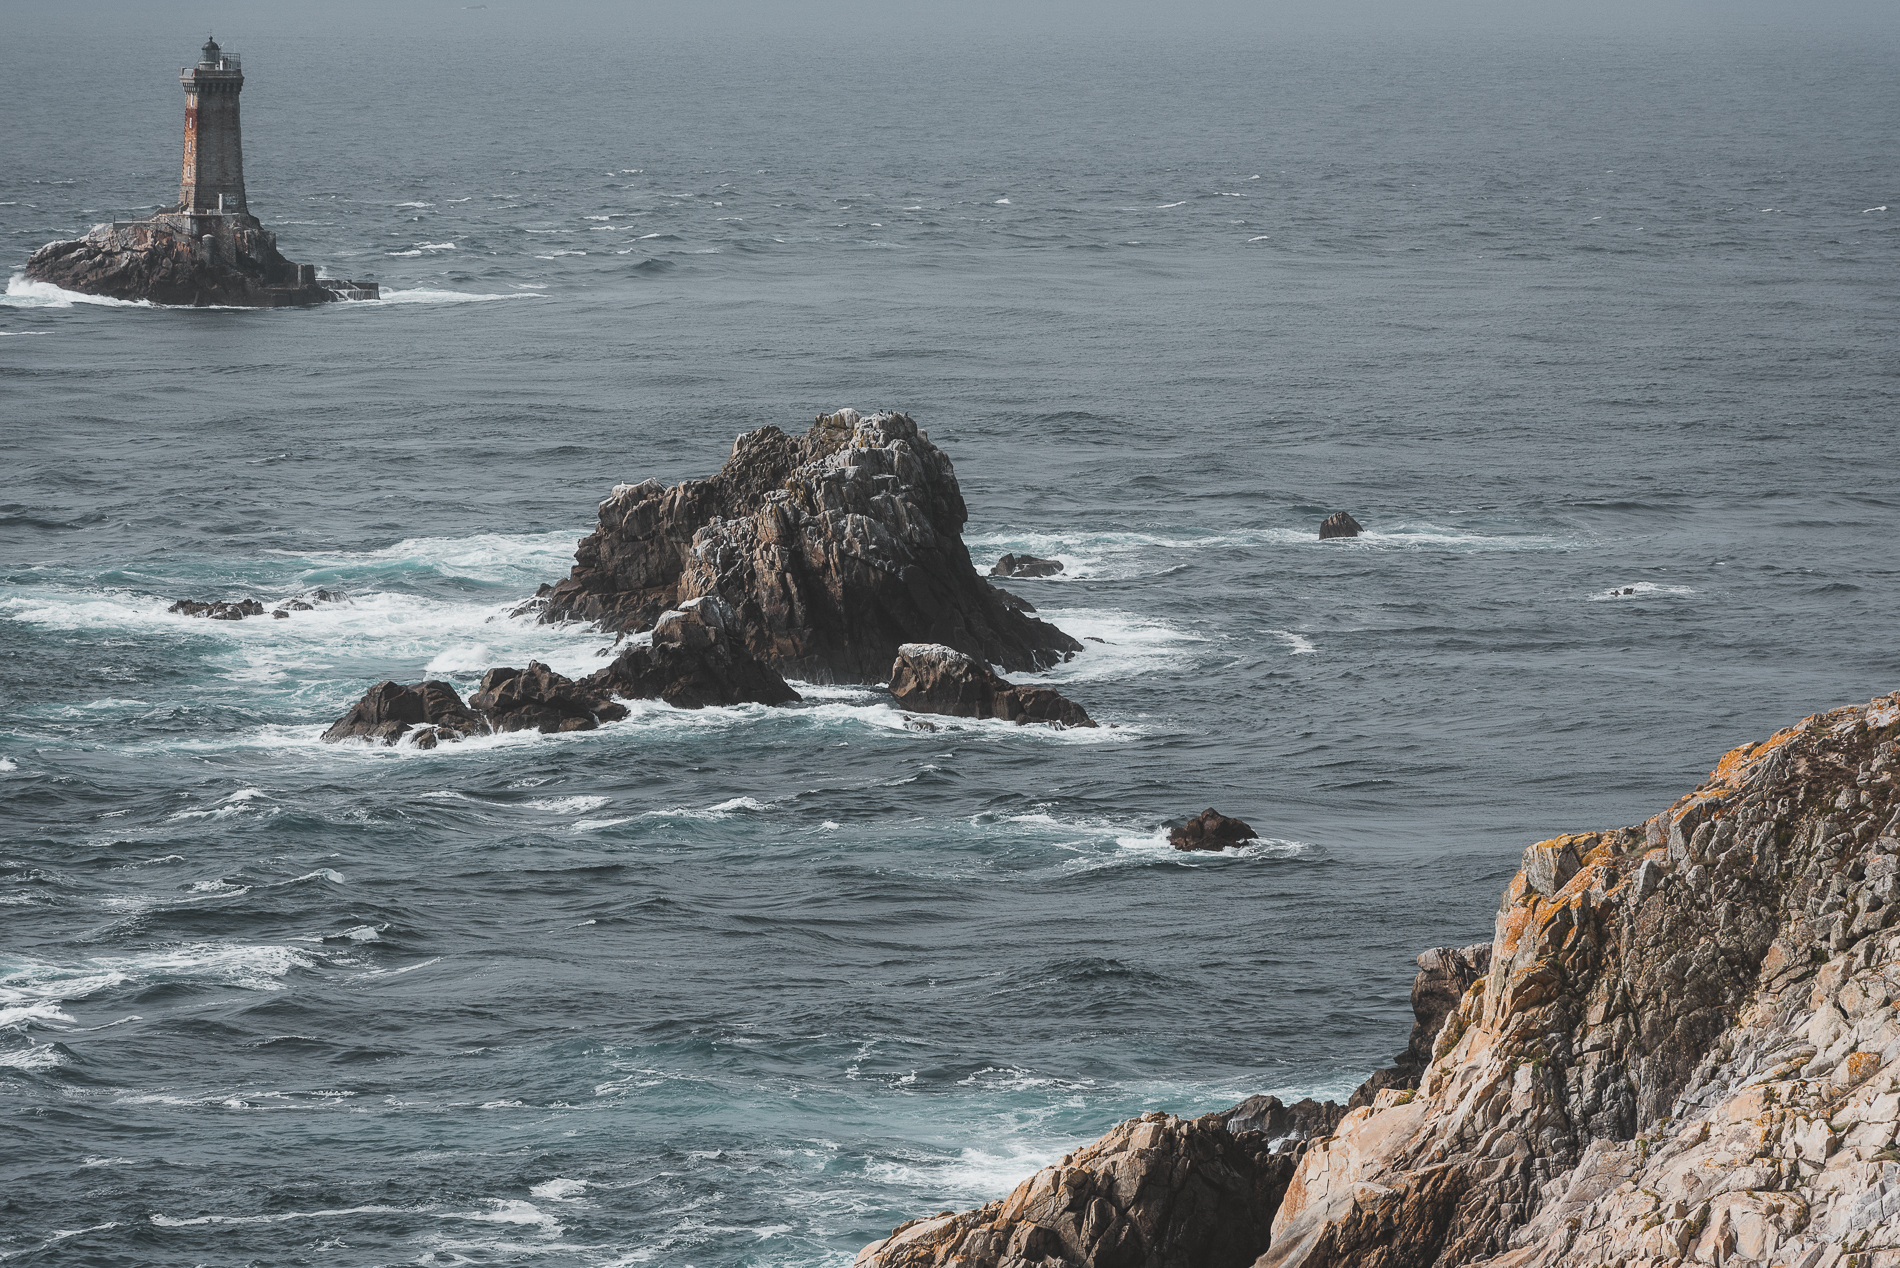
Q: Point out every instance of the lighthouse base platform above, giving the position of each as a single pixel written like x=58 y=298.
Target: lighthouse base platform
x=197 y=259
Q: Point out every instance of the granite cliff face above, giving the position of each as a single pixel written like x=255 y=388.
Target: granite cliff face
x=932 y=678
x=832 y=549
x=1683 y=1048
x=226 y=259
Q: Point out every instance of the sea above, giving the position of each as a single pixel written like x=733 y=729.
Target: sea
x=1595 y=329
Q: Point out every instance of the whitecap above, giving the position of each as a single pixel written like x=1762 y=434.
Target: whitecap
x=22 y=293
x=558 y=1189
x=167 y=1221
x=424 y=295
x=1299 y=644
x=568 y=805
x=7 y=764
x=1002 y=202
x=1640 y=589
x=43 y=1056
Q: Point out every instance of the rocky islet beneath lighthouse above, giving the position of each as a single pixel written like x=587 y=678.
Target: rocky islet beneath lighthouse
x=207 y=249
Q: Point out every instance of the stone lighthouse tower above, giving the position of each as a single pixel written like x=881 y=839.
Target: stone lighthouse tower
x=208 y=249
x=214 y=151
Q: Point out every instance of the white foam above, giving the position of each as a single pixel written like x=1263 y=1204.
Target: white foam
x=568 y=805
x=1168 y=206
x=1641 y=589
x=1298 y=644
x=6 y=764
x=559 y=1190
x=594 y=825
x=22 y=293
x=254 y=967
x=42 y=1011
x=43 y=1056
x=424 y=295
x=508 y=1211
x=1002 y=202
x=166 y=1221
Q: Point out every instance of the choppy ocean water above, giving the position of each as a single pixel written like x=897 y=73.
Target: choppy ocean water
x=1555 y=317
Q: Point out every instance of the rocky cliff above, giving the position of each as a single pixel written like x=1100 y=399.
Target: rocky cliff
x=1683 y=1050
x=832 y=548
x=226 y=259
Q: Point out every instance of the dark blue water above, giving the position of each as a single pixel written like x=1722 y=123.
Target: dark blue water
x=1552 y=314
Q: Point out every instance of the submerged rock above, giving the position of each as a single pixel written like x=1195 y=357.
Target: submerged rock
x=932 y=678
x=1025 y=566
x=1211 y=830
x=693 y=661
x=1339 y=524
x=1679 y=1047
x=830 y=549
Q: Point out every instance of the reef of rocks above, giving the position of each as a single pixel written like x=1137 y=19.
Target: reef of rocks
x=1680 y=1047
x=831 y=549
x=932 y=678
x=691 y=662
x=224 y=610
x=173 y=258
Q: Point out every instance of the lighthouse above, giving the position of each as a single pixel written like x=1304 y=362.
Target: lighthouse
x=207 y=248
x=214 y=152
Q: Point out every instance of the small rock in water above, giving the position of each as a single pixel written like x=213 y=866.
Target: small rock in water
x=1026 y=566
x=1339 y=524
x=218 y=610
x=932 y=678
x=1211 y=830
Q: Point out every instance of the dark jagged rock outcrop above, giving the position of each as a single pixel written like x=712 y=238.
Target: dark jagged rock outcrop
x=932 y=678
x=1155 y=1192
x=831 y=549
x=1339 y=524
x=227 y=259
x=218 y=609
x=1681 y=1049
x=694 y=660
x=1211 y=830
x=538 y=699
x=390 y=710
x=1444 y=975
x=1025 y=566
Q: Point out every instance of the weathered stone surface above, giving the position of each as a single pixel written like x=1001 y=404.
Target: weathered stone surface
x=696 y=658
x=538 y=699
x=1444 y=975
x=932 y=678
x=389 y=710
x=1155 y=1192
x=1025 y=566
x=1211 y=830
x=1681 y=1050
x=831 y=549
x=1685 y=1052
x=166 y=260
x=1339 y=524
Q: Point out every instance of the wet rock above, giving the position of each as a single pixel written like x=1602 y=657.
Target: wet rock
x=390 y=710
x=1339 y=524
x=1644 y=1066
x=1015 y=602
x=1155 y=1192
x=831 y=550
x=1025 y=566
x=538 y=699
x=932 y=678
x=696 y=658
x=170 y=258
x=1211 y=830
x=218 y=610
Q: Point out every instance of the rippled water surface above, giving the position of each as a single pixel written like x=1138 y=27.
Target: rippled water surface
x=1595 y=336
